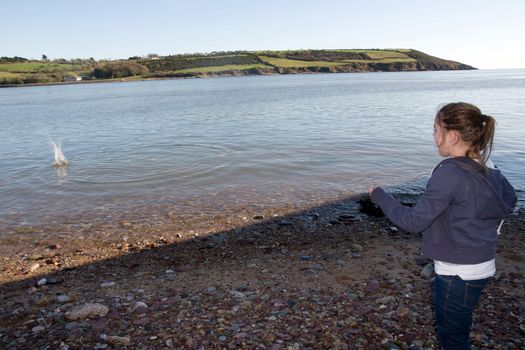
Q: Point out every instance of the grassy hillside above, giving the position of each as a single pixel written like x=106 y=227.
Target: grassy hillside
x=225 y=63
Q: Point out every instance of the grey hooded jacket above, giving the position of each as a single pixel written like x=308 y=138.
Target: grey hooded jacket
x=459 y=212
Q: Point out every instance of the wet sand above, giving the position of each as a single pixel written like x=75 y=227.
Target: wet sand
x=287 y=278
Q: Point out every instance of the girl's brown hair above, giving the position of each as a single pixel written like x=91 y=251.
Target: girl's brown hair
x=474 y=127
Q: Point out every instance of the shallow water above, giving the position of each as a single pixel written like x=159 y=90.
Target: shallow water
x=240 y=141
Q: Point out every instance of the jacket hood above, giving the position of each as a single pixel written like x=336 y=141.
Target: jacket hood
x=495 y=196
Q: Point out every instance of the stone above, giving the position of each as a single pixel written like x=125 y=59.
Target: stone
x=357 y=248
x=139 y=307
x=427 y=271
x=54 y=280
x=71 y=325
x=141 y=322
x=237 y=294
x=34 y=267
x=403 y=312
x=38 y=329
x=89 y=310
x=387 y=300
x=62 y=298
x=116 y=340
x=42 y=282
x=372 y=285
x=107 y=284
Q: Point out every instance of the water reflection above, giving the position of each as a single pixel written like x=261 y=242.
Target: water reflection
x=61 y=173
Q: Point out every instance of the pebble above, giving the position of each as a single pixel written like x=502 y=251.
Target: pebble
x=42 y=282
x=62 y=298
x=427 y=271
x=141 y=322
x=89 y=310
x=38 y=329
x=54 y=280
x=237 y=294
x=305 y=257
x=139 y=307
x=387 y=300
x=34 y=267
x=357 y=247
x=222 y=338
x=284 y=223
x=71 y=325
x=372 y=285
x=107 y=284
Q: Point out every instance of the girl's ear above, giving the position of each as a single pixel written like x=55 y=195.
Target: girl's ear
x=453 y=137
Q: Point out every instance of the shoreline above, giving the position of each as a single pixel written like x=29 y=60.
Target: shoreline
x=321 y=277
x=235 y=73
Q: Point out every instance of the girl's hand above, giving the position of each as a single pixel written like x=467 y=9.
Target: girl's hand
x=371 y=188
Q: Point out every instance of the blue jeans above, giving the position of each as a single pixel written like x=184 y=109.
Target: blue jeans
x=454 y=301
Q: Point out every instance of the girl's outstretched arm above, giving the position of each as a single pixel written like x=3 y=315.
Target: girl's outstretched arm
x=437 y=197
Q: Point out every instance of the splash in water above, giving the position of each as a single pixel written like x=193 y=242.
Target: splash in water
x=60 y=159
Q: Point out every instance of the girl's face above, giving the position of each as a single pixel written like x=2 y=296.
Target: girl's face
x=440 y=136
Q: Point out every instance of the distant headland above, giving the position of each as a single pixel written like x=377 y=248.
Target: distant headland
x=19 y=71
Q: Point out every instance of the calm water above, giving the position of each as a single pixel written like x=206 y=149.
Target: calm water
x=236 y=141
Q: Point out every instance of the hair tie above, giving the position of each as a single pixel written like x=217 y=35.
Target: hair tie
x=484 y=119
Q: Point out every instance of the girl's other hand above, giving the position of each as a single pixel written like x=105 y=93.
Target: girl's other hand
x=371 y=188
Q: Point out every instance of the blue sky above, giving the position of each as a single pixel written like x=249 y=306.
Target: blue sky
x=485 y=34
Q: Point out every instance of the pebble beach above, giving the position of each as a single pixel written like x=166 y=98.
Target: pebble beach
x=316 y=278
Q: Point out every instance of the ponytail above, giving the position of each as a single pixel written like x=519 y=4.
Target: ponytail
x=475 y=128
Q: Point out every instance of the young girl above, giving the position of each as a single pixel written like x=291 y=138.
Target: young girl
x=459 y=214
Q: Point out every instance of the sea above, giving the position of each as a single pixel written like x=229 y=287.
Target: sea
x=219 y=144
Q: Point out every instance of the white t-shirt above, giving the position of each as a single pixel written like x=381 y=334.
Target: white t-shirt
x=469 y=271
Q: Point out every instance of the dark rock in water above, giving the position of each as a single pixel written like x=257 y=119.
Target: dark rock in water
x=370 y=208
x=314 y=216
x=284 y=223
x=421 y=260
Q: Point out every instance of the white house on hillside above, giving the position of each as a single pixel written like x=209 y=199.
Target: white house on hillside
x=72 y=78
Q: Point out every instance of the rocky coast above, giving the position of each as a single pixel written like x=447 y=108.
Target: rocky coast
x=318 y=278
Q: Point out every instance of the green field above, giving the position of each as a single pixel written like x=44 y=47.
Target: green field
x=35 y=67
x=8 y=75
x=385 y=60
x=288 y=63
x=221 y=68
x=377 y=55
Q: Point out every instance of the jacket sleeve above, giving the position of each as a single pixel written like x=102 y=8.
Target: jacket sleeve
x=436 y=198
